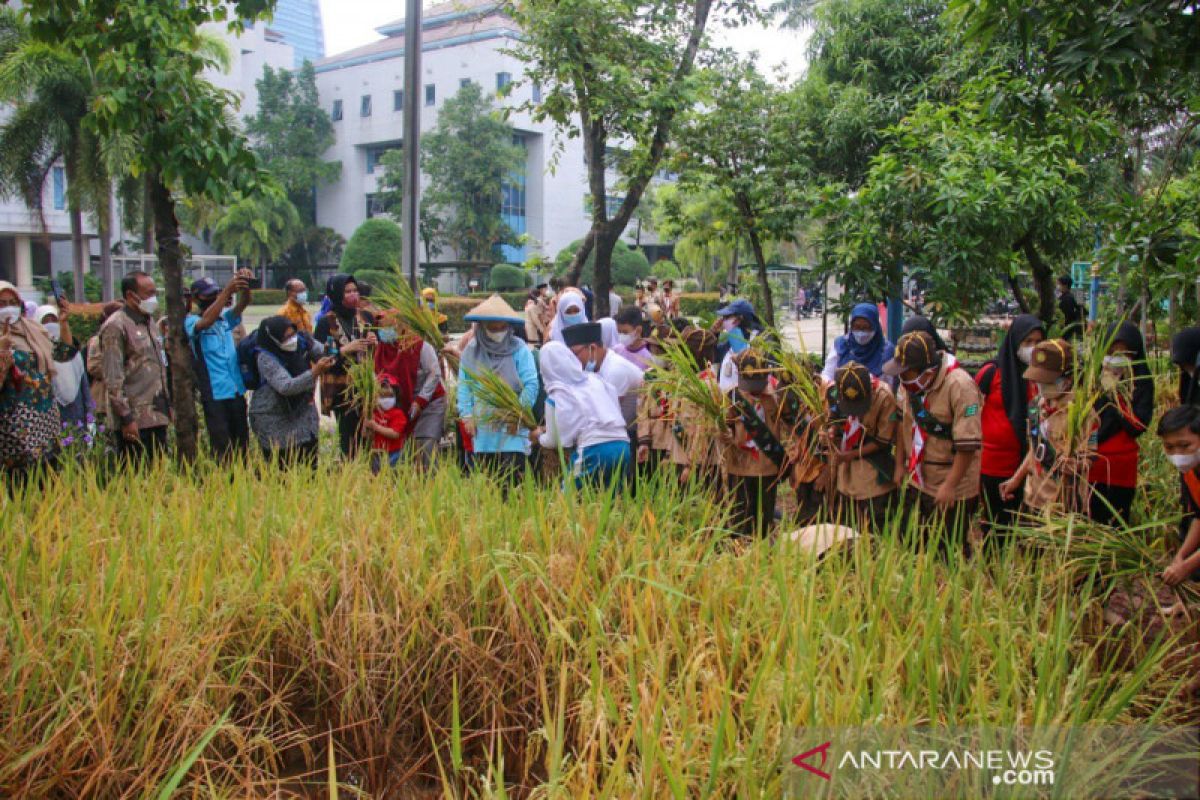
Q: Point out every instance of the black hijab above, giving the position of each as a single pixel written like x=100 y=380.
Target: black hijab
x=1013 y=388
x=1142 y=402
x=1185 y=352
x=923 y=325
x=271 y=333
x=335 y=290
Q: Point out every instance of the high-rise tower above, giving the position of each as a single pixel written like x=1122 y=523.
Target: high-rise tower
x=299 y=22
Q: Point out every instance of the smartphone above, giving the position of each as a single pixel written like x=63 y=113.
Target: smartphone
x=57 y=290
x=254 y=283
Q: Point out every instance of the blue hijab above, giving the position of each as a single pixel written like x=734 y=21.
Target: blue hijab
x=874 y=353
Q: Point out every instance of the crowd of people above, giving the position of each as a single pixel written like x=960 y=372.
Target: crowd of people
x=894 y=428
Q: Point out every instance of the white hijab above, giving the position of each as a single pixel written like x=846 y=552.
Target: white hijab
x=581 y=398
x=68 y=375
x=568 y=298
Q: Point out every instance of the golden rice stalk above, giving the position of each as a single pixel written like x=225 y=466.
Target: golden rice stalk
x=362 y=391
x=500 y=403
x=677 y=379
x=396 y=295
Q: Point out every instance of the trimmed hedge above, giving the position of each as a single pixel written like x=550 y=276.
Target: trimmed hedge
x=695 y=304
x=85 y=322
x=268 y=297
x=375 y=244
x=508 y=277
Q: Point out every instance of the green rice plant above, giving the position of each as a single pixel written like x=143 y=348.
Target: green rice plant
x=678 y=378
x=398 y=296
x=500 y=404
x=362 y=390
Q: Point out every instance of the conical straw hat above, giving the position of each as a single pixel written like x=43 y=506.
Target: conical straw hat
x=494 y=309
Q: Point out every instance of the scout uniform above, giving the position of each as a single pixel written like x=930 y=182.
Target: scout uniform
x=940 y=420
x=1050 y=485
x=693 y=445
x=753 y=448
x=864 y=412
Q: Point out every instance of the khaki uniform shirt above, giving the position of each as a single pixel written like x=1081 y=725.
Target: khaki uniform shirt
x=860 y=479
x=694 y=442
x=954 y=400
x=135 y=370
x=737 y=457
x=1045 y=488
x=655 y=421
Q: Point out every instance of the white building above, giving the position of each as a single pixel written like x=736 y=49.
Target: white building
x=462 y=41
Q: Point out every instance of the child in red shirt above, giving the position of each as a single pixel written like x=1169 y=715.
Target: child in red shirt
x=389 y=424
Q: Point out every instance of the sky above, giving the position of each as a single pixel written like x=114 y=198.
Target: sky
x=352 y=23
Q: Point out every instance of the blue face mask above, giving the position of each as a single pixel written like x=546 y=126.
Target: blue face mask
x=302 y=298
x=590 y=366
x=737 y=341
x=388 y=335
x=579 y=318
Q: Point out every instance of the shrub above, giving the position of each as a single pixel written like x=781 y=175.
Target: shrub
x=665 y=269
x=628 y=265
x=377 y=278
x=92 y=286
x=375 y=245
x=699 y=303
x=507 y=276
x=268 y=297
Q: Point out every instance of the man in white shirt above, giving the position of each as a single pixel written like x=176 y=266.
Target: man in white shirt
x=586 y=341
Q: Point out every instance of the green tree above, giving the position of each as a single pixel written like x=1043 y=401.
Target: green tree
x=628 y=265
x=391 y=184
x=258 y=229
x=620 y=72
x=506 y=277
x=147 y=60
x=698 y=221
x=374 y=245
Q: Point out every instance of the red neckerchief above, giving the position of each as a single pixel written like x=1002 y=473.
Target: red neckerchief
x=918 y=455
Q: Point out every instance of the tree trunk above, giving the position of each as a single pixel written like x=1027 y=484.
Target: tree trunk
x=1043 y=278
x=148 y=221
x=732 y=278
x=1018 y=295
x=765 y=282
x=603 y=282
x=170 y=260
x=77 y=266
x=104 y=228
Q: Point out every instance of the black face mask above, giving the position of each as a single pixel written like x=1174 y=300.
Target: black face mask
x=204 y=304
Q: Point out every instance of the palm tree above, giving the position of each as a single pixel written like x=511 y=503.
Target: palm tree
x=50 y=93
x=259 y=228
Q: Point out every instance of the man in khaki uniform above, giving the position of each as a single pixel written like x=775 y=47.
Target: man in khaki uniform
x=1054 y=470
x=865 y=416
x=941 y=433
x=135 y=371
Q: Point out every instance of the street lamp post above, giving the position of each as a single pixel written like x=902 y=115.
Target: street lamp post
x=412 y=140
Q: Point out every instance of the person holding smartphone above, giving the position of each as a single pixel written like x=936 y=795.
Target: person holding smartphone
x=210 y=334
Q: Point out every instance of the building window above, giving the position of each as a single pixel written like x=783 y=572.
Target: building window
x=60 y=188
x=375 y=205
x=512 y=209
x=365 y=109
x=537 y=92
x=375 y=154
x=337 y=110
x=464 y=83
x=430 y=94
x=398 y=100
x=503 y=79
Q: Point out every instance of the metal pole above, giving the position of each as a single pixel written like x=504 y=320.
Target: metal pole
x=825 y=320
x=412 y=140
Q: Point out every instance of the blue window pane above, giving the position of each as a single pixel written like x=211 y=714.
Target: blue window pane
x=512 y=209
x=60 y=188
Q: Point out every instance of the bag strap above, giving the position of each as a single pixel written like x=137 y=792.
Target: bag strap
x=987 y=377
x=1192 y=481
x=758 y=430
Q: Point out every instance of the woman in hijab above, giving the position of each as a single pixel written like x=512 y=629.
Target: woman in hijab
x=29 y=361
x=282 y=413
x=494 y=347
x=1185 y=354
x=582 y=412
x=347 y=332
x=572 y=310
x=865 y=343
x=1006 y=397
x=1125 y=413
x=71 y=390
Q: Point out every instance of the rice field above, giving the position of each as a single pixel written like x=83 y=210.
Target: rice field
x=268 y=634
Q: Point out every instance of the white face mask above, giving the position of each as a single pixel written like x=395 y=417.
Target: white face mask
x=863 y=337
x=1185 y=461
x=10 y=314
x=1026 y=354
x=54 y=329
x=302 y=298
x=149 y=305
x=626 y=339
x=1118 y=362
x=496 y=336
x=387 y=403
x=290 y=344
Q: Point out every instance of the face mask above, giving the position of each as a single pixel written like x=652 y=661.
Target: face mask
x=387 y=403
x=920 y=384
x=590 y=366
x=54 y=329
x=863 y=337
x=350 y=302
x=1026 y=355
x=204 y=304
x=387 y=335
x=496 y=336
x=1118 y=362
x=729 y=323
x=1053 y=391
x=431 y=303
x=547 y=294
x=10 y=314
x=626 y=339
x=290 y=344
x=749 y=386
x=302 y=298
x=575 y=319
x=1185 y=461
x=149 y=305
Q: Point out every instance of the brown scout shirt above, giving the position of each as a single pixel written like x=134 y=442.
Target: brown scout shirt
x=738 y=459
x=695 y=441
x=135 y=371
x=859 y=479
x=954 y=400
x=655 y=422
x=1044 y=488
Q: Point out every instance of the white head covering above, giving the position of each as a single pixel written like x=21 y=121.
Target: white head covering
x=566 y=299
x=68 y=376
x=581 y=397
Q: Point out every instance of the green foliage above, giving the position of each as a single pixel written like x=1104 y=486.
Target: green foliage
x=269 y=297
x=698 y=304
x=665 y=269
x=258 y=228
x=508 y=276
x=92 y=287
x=375 y=244
x=377 y=278
x=628 y=265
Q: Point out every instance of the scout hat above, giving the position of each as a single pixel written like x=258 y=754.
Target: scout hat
x=753 y=370
x=584 y=333
x=851 y=390
x=494 y=309
x=916 y=351
x=1051 y=360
